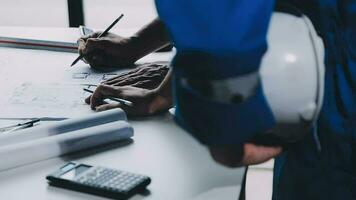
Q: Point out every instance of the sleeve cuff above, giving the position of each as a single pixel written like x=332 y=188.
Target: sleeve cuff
x=215 y=123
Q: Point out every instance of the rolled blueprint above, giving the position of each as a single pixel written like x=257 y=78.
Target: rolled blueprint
x=64 y=126
x=44 y=148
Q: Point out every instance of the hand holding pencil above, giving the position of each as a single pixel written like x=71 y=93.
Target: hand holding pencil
x=104 y=50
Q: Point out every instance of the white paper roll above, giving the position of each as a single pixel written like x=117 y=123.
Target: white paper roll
x=62 y=127
x=44 y=148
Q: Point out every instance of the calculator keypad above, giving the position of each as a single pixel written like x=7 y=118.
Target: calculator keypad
x=110 y=179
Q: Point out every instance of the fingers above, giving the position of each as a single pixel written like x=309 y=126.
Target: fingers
x=96 y=60
x=104 y=106
x=142 y=82
x=82 y=41
x=81 y=46
x=95 y=44
x=91 y=45
x=120 y=77
x=243 y=155
x=145 y=69
x=144 y=102
x=107 y=107
x=133 y=80
x=128 y=110
x=145 y=76
x=131 y=111
x=147 y=84
x=255 y=154
x=91 y=39
x=87 y=100
x=104 y=91
x=101 y=92
x=95 y=52
x=93 y=35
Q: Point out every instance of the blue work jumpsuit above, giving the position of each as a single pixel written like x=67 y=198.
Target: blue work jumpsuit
x=217 y=40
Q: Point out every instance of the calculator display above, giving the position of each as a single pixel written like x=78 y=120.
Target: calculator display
x=71 y=174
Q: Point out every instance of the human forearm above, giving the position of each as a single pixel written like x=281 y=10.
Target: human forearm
x=116 y=51
x=150 y=38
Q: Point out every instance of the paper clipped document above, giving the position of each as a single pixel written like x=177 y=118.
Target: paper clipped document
x=27 y=152
x=62 y=127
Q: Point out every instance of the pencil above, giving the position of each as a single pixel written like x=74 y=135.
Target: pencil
x=102 y=34
x=122 y=101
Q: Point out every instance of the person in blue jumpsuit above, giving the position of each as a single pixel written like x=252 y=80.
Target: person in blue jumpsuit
x=217 y=40
x=236 y=31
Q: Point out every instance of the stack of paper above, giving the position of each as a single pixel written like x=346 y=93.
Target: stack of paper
x=43 y=142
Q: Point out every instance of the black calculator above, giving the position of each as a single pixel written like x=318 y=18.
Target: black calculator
x=99 y=181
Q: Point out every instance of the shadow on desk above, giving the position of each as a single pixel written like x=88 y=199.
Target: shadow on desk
x=95 y=150
x=71 y=194
x=24 y=169
x=165 y=116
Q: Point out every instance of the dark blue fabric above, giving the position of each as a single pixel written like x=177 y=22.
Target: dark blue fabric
x=216 y=41
x=207 y=66
x=216 y=123
x=303 y=172
x=220 y=28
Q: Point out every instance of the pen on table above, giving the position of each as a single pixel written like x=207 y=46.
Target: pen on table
x=19 y=126
x=102 y=34
x=123 y=101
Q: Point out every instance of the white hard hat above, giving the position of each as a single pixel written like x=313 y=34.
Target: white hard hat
x=292 y=74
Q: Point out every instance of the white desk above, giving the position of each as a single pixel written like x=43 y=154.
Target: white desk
x=179 y=166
